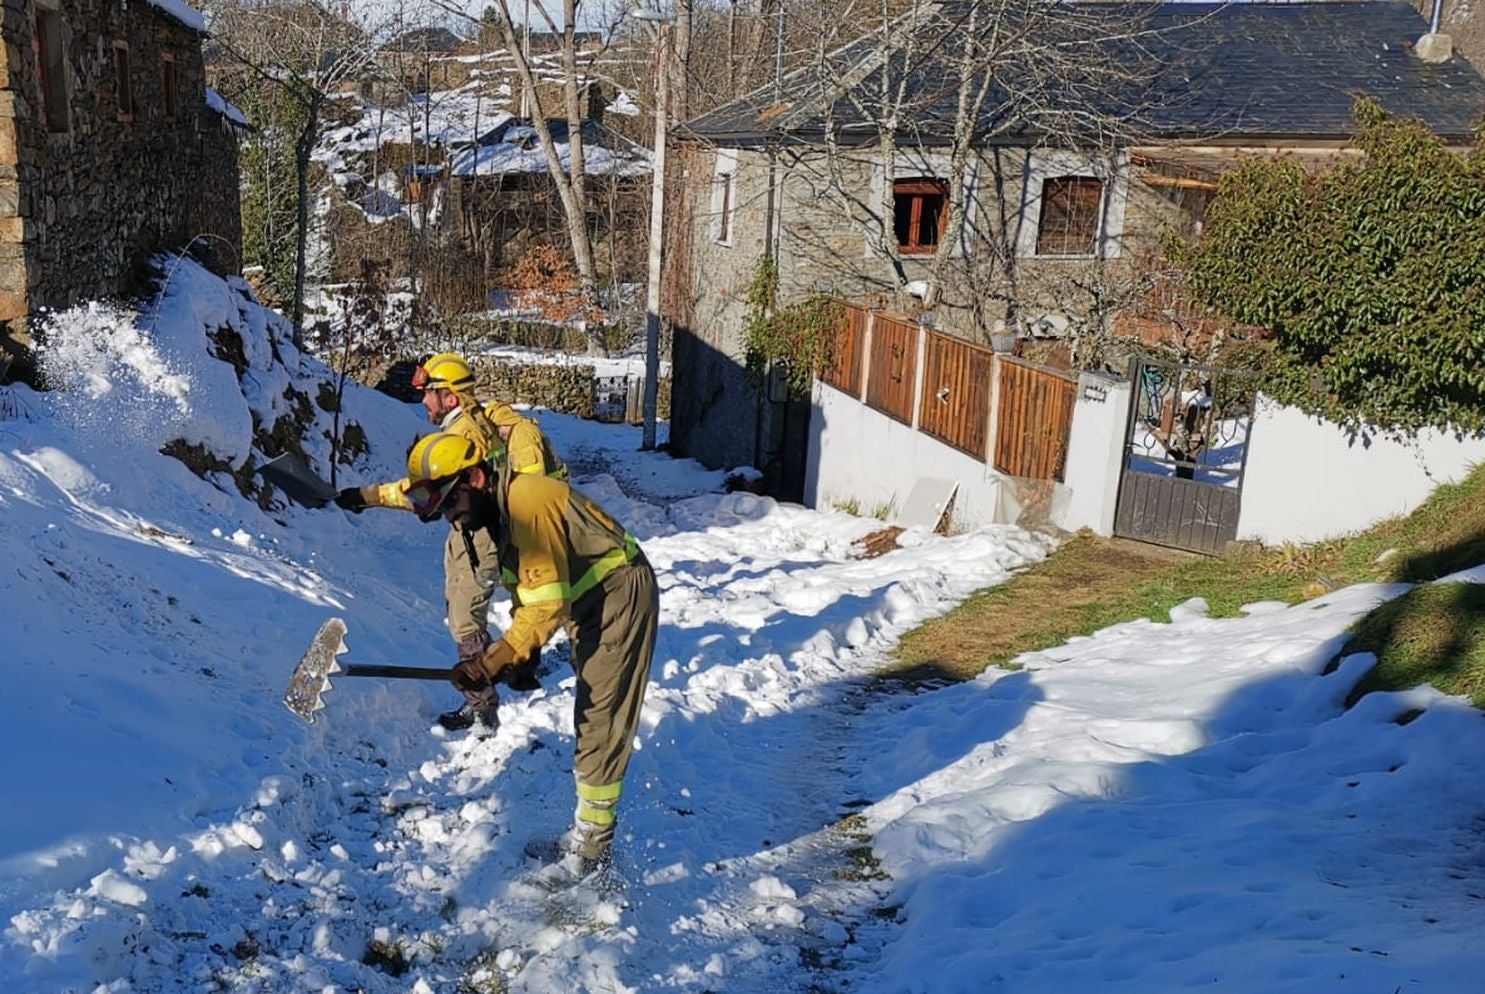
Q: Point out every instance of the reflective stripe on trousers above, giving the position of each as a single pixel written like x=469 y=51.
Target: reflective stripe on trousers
x=596 y=804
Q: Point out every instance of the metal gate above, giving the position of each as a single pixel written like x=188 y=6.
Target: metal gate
x=1185 y=451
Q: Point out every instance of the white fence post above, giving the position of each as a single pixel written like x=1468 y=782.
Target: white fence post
x=994 y=417
x=922 y=347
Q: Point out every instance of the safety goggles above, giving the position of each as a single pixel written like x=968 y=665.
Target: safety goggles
x=429 y=498
x=421 y=380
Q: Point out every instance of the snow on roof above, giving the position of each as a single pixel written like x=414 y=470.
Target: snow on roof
x=183 y=12
x=624 y=104
x=518 y=151
x=226 y=108
x=442 y=117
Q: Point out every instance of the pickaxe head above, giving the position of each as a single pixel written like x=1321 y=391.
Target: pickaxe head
x=312 y=676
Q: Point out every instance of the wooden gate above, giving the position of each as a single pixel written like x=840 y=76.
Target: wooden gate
x=1185 y=452
x=1034 y=419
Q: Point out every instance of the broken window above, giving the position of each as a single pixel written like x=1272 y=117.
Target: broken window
x=920 y=209
x=52 y=62
x=1070 y=215
x=123 y=88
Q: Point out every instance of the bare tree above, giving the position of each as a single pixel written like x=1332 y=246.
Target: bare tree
x=959 y=92
x=308 y=53
x=570 y=177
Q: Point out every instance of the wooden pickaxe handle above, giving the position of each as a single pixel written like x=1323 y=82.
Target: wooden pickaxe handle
x=395 y=672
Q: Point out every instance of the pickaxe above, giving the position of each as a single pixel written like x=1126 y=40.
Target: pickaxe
x=311 y=678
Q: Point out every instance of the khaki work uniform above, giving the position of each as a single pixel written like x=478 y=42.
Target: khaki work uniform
x=571 y=565
x=469 y=582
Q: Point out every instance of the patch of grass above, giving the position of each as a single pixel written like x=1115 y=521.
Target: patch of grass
x=483 y=975
x=864 y=862
x=850 y=506
x=864 y=866
x=1435 y=633
x=1090 y=583
x=1081 y=587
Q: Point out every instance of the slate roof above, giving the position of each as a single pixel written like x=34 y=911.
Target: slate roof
x=1237 y=72
x=427 y=39
x=511 y=147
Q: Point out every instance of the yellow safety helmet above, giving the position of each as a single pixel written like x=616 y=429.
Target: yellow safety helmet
x=440 y=455
x=444 y=371
x=433 y=467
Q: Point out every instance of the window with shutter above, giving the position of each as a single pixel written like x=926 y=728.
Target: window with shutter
x=920 y=210
x=52 y=63
x=1071 y=207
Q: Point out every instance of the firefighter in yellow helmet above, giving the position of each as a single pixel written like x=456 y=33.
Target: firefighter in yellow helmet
x=470 y=564
x=572 y=566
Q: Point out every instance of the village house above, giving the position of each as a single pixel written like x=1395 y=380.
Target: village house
x=439 y=141
x=1067 y=187
x=111 y=148
x=502 y=196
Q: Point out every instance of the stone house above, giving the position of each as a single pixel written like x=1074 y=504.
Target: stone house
x=502 y=198
x=111 y=148
x=1059 y=218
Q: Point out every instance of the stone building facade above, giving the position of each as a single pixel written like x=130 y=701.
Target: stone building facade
x=109 y=152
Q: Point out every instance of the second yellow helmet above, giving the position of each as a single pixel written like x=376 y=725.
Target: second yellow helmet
x=444 y=371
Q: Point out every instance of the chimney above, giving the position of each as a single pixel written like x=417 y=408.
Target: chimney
x=1435 y=46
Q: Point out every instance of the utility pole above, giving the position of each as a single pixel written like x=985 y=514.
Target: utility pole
x=526 y=52
x=657 y=238
x=778 y=55
x=657 y=225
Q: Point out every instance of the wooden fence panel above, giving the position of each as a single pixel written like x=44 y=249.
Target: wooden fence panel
x=894 y=361
x=844 y=371
x=1035 y=418
x=956 y=393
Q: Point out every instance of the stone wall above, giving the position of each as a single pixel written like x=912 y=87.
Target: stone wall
x=717 y=410
x=568 y=389
x=81 y=209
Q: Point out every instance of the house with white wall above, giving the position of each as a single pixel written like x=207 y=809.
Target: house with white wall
x=1036 y=232
x=1057 y=219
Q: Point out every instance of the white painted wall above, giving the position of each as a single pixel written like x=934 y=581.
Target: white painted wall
x=1095 y=452
x=859 y=454
x=1308 y=480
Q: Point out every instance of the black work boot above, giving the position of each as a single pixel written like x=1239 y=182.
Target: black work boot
x=522 y=676
x=468 y=716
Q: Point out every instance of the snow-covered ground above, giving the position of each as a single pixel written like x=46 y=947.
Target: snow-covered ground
x=1154 y=808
